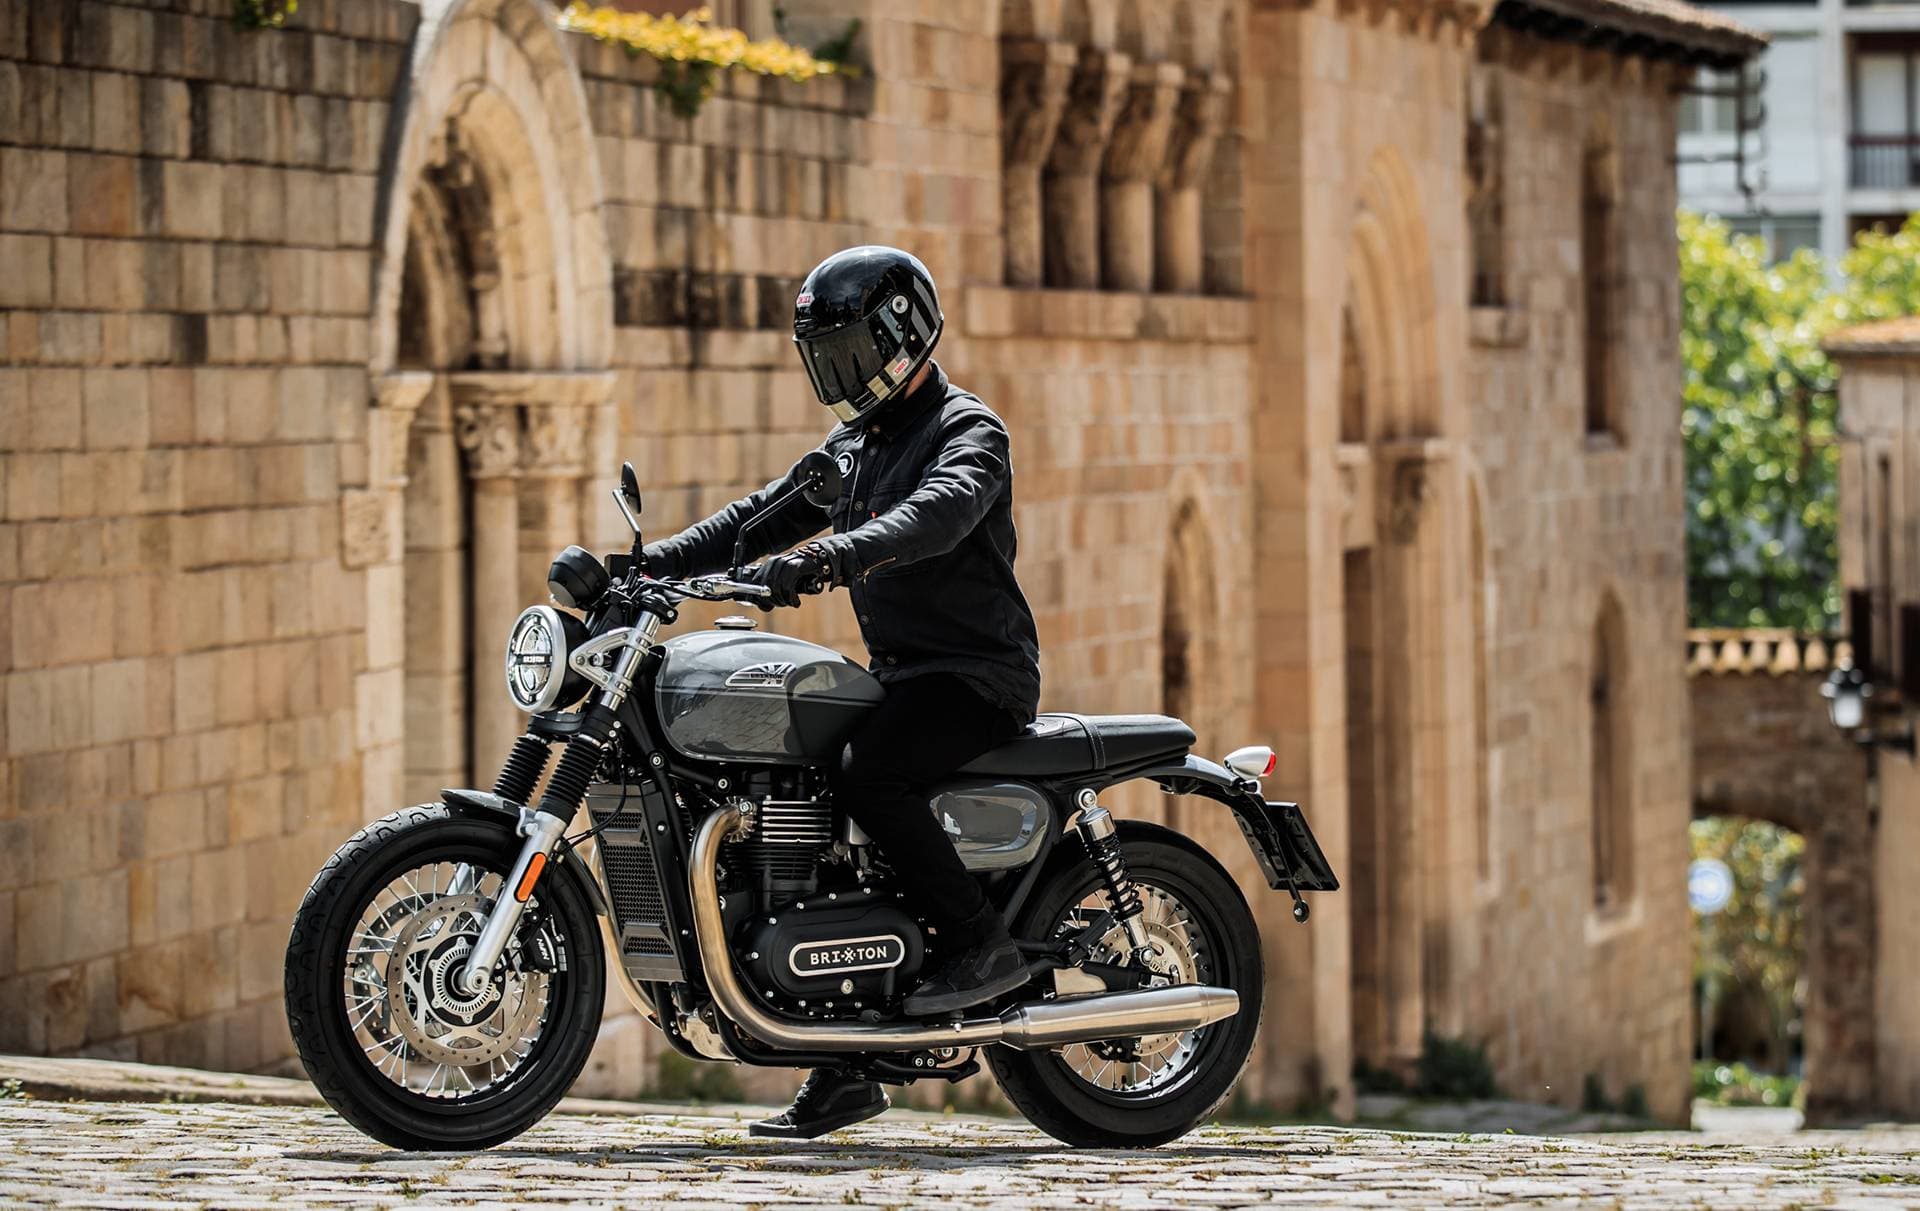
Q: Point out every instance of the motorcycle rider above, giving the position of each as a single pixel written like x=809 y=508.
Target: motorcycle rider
x=923 y=539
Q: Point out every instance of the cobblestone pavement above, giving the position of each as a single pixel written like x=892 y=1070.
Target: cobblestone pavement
x=98 y=1154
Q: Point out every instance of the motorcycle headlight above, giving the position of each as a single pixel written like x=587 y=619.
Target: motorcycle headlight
x=538 y=678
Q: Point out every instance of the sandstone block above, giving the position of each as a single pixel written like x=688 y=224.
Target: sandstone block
x=33 y=190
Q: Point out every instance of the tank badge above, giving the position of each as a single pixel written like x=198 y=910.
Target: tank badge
x=769 y=676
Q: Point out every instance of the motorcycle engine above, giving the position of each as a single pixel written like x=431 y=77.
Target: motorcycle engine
x=818 y=941
x=835 y=954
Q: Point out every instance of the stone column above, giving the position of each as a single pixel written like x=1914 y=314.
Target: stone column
x=489 y=434
x=1034 y=75
x=1072 y=183
x=1178 y=255
x=1135 y=153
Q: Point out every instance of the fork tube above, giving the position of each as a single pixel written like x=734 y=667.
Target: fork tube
x=558 y=806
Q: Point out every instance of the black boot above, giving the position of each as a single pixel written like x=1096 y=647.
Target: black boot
x=990 y=966
x=829 y=1100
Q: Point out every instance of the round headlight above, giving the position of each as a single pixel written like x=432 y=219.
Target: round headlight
x=537 y=647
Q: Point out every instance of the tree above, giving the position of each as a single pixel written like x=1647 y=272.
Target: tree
x=1754 y=946
x=1759 y=416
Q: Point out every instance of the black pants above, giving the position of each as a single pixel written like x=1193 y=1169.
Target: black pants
x=927 y=728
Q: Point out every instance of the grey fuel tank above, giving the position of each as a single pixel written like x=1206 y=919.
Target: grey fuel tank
x=734 y=695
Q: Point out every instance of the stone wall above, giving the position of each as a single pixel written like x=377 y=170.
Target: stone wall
x=1763 y=748
x=188 y=213
x=1584 y=987
x=321 y=340
x=1879 y=395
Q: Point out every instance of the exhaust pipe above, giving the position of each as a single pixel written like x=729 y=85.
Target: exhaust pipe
x=1034 y=1025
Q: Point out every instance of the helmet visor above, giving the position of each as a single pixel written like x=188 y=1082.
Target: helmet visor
x=849 y=365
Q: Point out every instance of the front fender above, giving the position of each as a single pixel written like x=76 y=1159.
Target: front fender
x=484 y=803
x=1277 y=832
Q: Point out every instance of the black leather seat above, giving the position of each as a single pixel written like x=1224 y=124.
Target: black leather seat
x=1084 y=744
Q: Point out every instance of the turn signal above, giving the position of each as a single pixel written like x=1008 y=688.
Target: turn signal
x=532 y=876
x=1253 y=761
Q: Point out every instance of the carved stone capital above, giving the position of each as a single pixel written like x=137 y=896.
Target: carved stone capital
x=1197 y=123
x=489 y=433
x=396 y=399
x=1099 y=86
x=1034 y=75
x=1410 y=492
x=1138 y=145
x=556 y=441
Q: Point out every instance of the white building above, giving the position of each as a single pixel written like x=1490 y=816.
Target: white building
x=1837 y=146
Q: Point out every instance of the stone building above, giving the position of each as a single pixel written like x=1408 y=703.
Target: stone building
x=1337 y=339
x=1880 y=571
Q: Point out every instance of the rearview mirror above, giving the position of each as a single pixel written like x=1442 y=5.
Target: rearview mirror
x=627 y=496
x=820 y=479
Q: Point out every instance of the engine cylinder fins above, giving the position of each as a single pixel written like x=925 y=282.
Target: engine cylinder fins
x=794 y=823
x=1028 y=1026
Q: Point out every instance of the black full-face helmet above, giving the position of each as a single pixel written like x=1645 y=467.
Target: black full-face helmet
x=865 y=321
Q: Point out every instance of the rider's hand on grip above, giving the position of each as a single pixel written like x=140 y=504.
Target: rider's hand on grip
x=789 y=576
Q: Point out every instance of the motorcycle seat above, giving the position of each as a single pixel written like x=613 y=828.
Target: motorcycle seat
x=1084 y=744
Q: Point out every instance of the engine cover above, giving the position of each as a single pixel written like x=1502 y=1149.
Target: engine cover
x=811 y=950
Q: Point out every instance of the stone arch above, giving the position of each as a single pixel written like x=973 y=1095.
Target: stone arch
x=1190 y=622
x=493 y=76
x=1392 y=288
x=492 y=326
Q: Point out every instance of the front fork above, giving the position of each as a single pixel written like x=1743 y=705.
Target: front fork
x=566 y=790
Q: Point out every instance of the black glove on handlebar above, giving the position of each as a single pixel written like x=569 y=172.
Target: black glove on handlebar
x=788 y=576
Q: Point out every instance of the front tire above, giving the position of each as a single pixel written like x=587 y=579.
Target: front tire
x=1064 y=1092
x=385 y=1040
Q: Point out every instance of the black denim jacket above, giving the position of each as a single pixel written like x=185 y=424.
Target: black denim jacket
x=922 y=537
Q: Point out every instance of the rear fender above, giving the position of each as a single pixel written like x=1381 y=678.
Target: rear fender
x=1277 y=832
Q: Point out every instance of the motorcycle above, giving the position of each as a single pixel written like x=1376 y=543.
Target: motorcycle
x=446 y=971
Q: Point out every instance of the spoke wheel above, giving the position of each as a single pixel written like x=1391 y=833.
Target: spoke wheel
x=1143 y=1091
x=1131 y=1068
x=382 y=1023
x=413 y=1020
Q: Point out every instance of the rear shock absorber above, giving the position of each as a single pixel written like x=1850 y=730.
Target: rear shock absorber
x=1096 y=828
x=525 y=764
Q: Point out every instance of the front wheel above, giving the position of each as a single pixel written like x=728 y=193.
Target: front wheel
x=382 y=1025
x=1137 y=1093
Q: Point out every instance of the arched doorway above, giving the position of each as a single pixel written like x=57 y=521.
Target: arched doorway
x=1395 y=615
x=491 y=332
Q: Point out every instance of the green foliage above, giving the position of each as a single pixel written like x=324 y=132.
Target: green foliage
x=1759 y=416
x=1755 y=944
x=1593 y=1096
x=1739 y=1085
x=1454 y=1069
x=263 y=14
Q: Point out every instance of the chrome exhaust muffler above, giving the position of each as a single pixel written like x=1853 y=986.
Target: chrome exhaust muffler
x=1034 y=1025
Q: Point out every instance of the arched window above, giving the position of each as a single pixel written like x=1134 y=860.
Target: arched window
x=1600 y=279
x=1480 y=605
x=1611 y=785
x=1486 y=201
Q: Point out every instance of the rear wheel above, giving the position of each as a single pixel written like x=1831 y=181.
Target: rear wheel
x=1137 y=1093
x=384 y=1029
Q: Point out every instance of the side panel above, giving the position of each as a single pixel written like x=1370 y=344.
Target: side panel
x=995 y=824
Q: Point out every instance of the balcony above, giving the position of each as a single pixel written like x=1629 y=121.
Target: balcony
x=1884 y=161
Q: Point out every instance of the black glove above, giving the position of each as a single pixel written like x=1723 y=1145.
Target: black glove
x=655 y=561
x=788 y=576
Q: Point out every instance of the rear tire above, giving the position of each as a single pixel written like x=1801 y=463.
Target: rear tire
x=319 y=1017
x=1064 y=1103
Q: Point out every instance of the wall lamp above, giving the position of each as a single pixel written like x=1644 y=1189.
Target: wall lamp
x=1847 y=691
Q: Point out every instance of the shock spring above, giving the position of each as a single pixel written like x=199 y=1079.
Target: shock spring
x=1097 y=833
